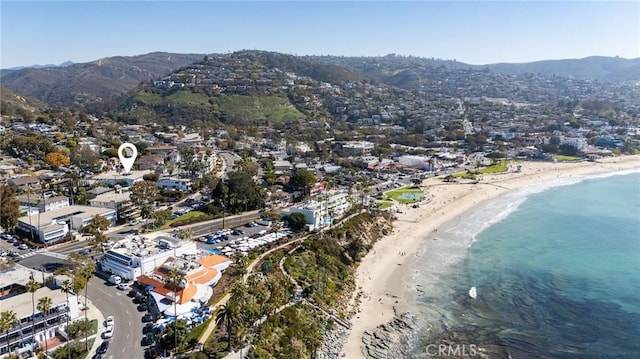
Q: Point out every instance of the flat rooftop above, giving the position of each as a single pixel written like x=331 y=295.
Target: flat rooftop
x=114 y=175
x=47 y=218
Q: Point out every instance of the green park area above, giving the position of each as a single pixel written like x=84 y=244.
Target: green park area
x=405 y=195
x=497 y=167
x=190 y=216
x=562 y=158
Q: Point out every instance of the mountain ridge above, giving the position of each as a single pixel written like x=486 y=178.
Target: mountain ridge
x=106 y=78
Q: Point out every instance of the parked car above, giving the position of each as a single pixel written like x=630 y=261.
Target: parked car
x=123 y=286
x=103 y=347
x=148 y=339
x=148 y=317
x=108 y=333
x=143 y=307
x=109 y=321
x=148 y=328
x=23 y=246
x=152 y=353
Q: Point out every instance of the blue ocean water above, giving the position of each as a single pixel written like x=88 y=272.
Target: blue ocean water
x=558 y=277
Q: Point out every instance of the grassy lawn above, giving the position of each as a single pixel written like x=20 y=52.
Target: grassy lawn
x=196 y=332
x=94 y=327
x=86 y=355
x=385 y=205
x=562 y=158
x=190 y=215
x=251 y=108
x=405 y=195
x=494 y=168
x=188 y=98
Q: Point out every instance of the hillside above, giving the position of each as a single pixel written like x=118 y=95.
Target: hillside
x=97 y=80
x=608 y=69
x=245 y=87
x=409 y=71
x=12 y=104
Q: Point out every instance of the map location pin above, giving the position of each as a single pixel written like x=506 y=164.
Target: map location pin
x=127 y=162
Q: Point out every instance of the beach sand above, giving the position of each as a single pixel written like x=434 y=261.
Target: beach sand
x=379 y=278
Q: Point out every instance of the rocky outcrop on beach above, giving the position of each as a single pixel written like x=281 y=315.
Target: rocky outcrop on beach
x=333 y=342
x=389 y=340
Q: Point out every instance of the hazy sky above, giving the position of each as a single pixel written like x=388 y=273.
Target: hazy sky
x=478 y=32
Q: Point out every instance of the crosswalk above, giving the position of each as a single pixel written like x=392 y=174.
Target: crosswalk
x=46 y=253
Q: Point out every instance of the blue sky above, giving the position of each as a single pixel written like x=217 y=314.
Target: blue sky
x=473 y=32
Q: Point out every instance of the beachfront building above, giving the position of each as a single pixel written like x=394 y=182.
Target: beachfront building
x=133 y=257
x=323 y=211
x=419 y=162
x=52 y=226
x=200 y=275
x=20 y=337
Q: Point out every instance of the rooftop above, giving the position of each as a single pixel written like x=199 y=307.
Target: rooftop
x=47 y=218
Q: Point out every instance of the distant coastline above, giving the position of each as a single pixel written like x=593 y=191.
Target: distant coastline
x=381 y=294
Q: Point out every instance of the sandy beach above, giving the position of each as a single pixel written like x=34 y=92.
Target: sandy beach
x=379 y=278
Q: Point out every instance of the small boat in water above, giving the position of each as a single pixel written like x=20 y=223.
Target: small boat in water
x=472 y=292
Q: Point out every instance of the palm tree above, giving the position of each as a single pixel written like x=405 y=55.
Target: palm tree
x=32 y=286
x=185 y=234
x=66 y=289
x=241 y=333
x=44 y=305
x=174 y=280
x=8 y=319
x=230 y=315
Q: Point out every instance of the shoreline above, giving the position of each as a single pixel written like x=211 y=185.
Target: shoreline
x=380 y=290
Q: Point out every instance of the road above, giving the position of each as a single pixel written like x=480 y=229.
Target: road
x=128 y=320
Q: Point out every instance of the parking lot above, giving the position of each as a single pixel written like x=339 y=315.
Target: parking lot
x=229 y=238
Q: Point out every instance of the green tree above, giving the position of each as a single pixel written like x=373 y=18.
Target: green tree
x=302 y=179
x=297 y=221
x=185 y=234
x=176 y=335
x=143 y=195
x=96 y=227
x=161 y=217
x=174 y=281
x=9 y=208
x=32 y=287
x=8 y=319
x=66 y=288
x=44 y=305
x=230 y=316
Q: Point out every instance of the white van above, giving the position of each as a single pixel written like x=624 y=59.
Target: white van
x=115 y=279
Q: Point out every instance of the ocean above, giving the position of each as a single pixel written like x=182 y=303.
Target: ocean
x=556 y=271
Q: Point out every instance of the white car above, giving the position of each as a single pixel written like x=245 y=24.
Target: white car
x=108 y=333
x=109 y=322
x=123 y=286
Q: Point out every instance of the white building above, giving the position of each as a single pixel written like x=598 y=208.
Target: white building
x=120 y=201
x=14 y=297
x=324 y=211
x=180 y=184
x=111 y=178
x=357 y=148
x=415 y=161
x=131 y=258
x=50 y=227
x=42 y=204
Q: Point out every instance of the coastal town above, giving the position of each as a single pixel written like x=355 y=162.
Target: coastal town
x=230 y=224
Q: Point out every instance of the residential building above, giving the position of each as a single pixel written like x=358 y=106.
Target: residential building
x=24 y=183
x=180 y=184
x=280 y=166
x=14 y=296
x=120 y=201
x=357 y=148
x=322 y=212
x=42 y=204
x=111 y=178
x=52 y=226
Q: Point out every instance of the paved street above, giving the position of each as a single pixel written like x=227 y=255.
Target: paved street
x=128 y=320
